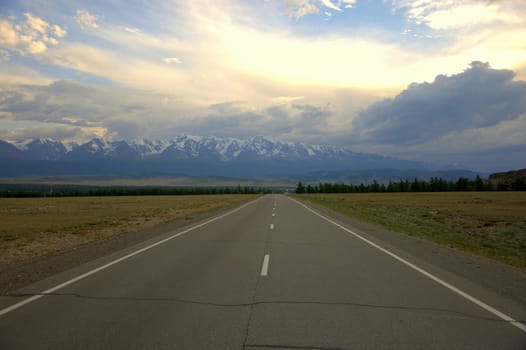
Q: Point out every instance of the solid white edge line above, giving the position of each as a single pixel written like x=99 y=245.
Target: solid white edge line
x=103 y=267
x=264 y=267
x=465 y=295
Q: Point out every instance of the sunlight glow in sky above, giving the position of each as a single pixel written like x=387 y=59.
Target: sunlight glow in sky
x=315 y=71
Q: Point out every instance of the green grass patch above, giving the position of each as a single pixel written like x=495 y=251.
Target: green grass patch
x=491 y=224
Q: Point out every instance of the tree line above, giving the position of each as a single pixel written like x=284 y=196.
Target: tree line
x=435 y=184
x=73 y=191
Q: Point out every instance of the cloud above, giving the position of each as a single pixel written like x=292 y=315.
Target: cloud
x=172 y=60
x=454 y=119
x=65 y=133
x=286 y=99
x=442 y=15
x=79 y=112
x=4 y=55
x=349 y=3
x=30 y=36
x=59 y=32
x=14 y=74
x=218 y=49
x=480 y=108
x=302 y=8
x=123 y=113
x=329 y=4
x=288 y=121
x=132 y=30
x=86 y=19
x=35 y=23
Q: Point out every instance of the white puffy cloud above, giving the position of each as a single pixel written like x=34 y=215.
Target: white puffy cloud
x=30 y=36
x=35 y=23
x=59 y=32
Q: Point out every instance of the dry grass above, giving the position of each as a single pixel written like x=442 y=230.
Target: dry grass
x=492 y=224
x=32 y=227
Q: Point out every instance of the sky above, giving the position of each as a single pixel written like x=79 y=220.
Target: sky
x=437 y=81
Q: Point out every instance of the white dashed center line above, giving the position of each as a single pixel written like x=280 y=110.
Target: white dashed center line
x=271 y=226
x=264 y=267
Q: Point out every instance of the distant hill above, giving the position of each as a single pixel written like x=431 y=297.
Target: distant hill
x=509 y=176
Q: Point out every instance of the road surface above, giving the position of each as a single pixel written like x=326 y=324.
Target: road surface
x=272 y=274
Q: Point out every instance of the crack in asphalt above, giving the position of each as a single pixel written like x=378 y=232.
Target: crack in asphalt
x=291 y=347
x=254 y=291
x=261 y=303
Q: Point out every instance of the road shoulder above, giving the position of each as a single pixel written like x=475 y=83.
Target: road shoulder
x=504 y=280
x=18 y=276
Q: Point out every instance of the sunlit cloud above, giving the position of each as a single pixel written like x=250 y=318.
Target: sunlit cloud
x=463 y=13
x=35 y=23
x=132 y=30
x=31 y=36
x=86 y=19
x=172 y=60
x=287 y=99
x=302 y=8
x=329 y=4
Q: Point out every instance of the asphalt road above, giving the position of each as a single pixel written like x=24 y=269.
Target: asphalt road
x=270 y=275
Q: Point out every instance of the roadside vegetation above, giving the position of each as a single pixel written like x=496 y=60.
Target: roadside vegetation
x=60 y=190
x=33 y=227
x=435 y=184
x=491 y=224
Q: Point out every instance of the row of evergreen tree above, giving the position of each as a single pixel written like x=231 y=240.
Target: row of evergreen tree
x=68 y=191
x=435 y=184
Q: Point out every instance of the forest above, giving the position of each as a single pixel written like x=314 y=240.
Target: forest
x=435 y=184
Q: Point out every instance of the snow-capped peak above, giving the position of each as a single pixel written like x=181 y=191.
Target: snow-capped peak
x=190 y=147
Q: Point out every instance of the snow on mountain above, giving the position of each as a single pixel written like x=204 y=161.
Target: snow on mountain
x=95 y=148
x=180 y=147
x=42 y=149
x=149 y=147
x=183 y=146
x=190 y=155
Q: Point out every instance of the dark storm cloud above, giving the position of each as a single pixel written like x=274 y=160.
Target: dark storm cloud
x=479 y=97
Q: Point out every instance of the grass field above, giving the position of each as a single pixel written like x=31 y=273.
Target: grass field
x=32 y=227
x=492 y=224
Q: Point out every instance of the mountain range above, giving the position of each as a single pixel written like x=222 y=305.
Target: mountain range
x=191 y=156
